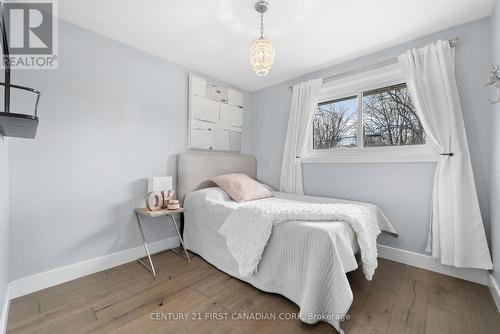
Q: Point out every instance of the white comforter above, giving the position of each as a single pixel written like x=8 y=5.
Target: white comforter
x=304 y=261
x=248 y=228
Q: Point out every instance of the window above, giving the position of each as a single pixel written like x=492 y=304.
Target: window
x=370 y=118
x=389 y=118
x=336 y=124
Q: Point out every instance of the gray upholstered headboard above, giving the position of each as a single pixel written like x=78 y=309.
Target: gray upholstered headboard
x=194 y=169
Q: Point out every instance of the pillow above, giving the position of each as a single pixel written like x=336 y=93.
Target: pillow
x=241 y=187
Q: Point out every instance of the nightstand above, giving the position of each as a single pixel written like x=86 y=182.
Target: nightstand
x=153 y=214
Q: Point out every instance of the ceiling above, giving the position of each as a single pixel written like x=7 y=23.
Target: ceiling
x=212 y=37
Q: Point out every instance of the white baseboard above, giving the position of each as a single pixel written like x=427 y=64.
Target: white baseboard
x=26 y=285
x=427 y=262
x=495 y=291
x=5 y=312
x=60 y=275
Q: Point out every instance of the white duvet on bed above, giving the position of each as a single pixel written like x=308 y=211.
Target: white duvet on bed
x=248 y=229
x=303 y=261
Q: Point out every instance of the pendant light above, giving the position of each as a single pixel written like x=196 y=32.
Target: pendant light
x=261 y=51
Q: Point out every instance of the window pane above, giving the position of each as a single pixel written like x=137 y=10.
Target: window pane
x=335 y=124
x=389 y=118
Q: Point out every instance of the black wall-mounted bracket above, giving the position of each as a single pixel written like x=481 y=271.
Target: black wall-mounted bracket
x=14 y=124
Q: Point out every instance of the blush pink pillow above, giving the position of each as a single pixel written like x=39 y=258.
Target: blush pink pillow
x=241 y=187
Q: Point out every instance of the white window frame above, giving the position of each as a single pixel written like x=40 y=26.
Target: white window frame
x=355 y=85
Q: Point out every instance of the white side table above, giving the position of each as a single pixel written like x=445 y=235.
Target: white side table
x=159 y=213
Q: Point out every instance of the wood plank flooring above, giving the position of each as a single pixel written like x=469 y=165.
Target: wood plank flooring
x=400 y=299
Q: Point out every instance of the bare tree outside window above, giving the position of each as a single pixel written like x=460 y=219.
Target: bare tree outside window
x=389 y=118
x=335 y=124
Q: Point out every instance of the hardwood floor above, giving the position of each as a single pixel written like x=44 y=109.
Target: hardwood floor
x=400 y=299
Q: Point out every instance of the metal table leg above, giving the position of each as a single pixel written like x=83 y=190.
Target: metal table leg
x=152 y=268
x=180 y=237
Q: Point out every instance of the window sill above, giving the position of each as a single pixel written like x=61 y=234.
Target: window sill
x=373 y=155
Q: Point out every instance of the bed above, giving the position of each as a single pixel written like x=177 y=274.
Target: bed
x=304 y=261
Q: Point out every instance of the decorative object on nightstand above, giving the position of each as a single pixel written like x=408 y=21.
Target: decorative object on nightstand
x=159 y=192
x=160 y=213
x=168 y=195
x=154 y=201
x=159 y=183
x=173 y=204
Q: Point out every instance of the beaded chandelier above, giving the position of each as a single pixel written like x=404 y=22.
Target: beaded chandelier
x=261 y=51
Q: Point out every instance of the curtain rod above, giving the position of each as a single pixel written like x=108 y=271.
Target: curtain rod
x=452 y=42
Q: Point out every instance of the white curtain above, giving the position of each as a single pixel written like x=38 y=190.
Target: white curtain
x=305 y=98
x=457 y=232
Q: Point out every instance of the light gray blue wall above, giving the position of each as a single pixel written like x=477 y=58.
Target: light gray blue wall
x=495 y=140
x=402 y=190
x=4 y=223
x=110 y=116
x=106 y=105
